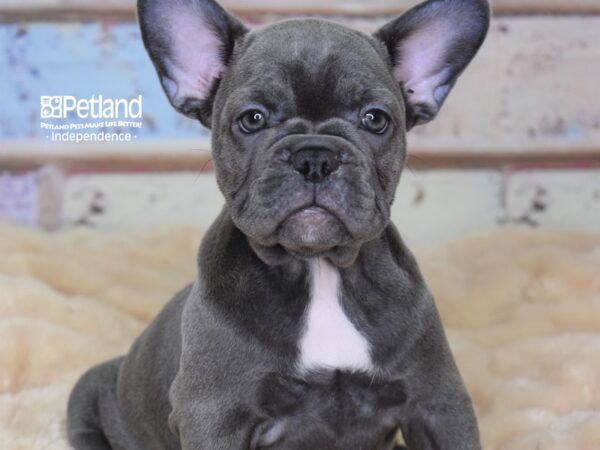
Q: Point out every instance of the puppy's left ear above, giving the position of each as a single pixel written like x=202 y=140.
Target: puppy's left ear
x=430 y=46
x=190 y=43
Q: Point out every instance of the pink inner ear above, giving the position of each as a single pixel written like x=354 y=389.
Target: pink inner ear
x=195 y=60
x=420 y=68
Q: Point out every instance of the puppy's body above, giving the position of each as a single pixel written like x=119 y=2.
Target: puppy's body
x=207 y=386
x=309 y=325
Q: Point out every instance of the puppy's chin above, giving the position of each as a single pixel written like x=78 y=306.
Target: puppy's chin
x=311 y=231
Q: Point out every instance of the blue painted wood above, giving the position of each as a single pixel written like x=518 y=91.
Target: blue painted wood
x=80 y=60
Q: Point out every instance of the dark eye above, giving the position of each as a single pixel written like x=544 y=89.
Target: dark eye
x=252 y=121
x=375 y=121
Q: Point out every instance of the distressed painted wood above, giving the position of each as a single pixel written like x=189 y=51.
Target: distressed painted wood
x=81 y=60
x=51 y=196
x=169 y=160
x=531 y=90
x=442 y=205
x=129 y=201
x=564 y=199
x=429 y=206
x=110 y=162
x=141 y=156
x=33 y=198
x=14 y=10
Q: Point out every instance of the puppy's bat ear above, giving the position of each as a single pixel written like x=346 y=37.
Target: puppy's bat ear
x=190 y=43
x=429 y=46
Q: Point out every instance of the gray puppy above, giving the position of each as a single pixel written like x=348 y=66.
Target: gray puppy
x=309 y=325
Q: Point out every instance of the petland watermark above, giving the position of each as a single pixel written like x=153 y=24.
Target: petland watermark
x=67 y=118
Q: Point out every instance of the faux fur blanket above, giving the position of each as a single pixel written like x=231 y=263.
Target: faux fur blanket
x=521 y=308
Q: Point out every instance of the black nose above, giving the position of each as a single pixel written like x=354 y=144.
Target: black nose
x=315 y=163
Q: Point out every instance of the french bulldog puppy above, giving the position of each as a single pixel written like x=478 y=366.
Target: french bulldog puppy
x=302 y=275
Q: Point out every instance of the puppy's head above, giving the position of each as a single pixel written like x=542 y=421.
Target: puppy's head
x=309 y=117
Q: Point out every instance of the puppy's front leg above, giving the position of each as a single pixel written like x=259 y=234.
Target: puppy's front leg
x=218 y=422
x=204 y=427
x=214 y=389
x=442 y=424
x=439 y=413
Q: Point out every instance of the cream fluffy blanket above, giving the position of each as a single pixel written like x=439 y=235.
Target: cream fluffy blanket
x=522 y=311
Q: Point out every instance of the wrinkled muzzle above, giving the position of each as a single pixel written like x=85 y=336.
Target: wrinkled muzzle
x=311 y=193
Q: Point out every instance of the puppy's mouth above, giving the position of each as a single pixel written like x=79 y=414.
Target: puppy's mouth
x=312 y=229
x=311 y=216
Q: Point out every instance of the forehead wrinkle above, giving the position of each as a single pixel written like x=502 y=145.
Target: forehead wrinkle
x=385 y=96
x=323 y=91
x=323 y=66
x=310 y=38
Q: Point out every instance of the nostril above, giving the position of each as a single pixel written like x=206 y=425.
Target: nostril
x=305 y=167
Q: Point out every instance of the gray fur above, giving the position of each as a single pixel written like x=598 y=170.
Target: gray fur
x=217 y=368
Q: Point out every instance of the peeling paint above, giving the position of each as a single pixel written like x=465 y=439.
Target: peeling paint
x=555 y=198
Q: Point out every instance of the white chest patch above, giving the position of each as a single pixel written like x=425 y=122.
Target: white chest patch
x=330 y=340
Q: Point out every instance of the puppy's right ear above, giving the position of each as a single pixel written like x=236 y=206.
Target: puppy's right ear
x=190 y=43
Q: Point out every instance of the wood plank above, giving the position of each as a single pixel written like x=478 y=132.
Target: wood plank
x=109 y=162
x=173 y=161
x=125 y=201
x=546 y=6
x=16 y=10
x=530 y=90
x=540 y=160
x=553 y=199
x=463 y=201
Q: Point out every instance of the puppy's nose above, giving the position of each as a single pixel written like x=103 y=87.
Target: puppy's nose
x=315 y=164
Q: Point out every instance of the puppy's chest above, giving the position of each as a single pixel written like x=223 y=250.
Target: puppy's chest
x=329 y=339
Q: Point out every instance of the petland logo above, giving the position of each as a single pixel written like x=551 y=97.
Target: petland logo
x=60 y=106
x=95 y=119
